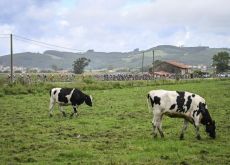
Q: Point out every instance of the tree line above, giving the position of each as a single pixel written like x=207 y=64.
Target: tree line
x=220 y=62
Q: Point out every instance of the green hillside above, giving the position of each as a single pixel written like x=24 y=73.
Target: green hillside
x=103 y=60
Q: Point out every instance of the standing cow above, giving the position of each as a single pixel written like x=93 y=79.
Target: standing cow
x=185 y=105
x=68 y=96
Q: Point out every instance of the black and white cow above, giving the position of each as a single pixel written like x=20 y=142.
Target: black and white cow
x=189 y=106
x=68 y=96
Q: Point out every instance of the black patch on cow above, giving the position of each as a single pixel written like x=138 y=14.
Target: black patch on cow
x=55 y=92
x=193 y=114
x=157 y=100
x=172 y=106
x=152 y=102
x=77 y=98
x=188 y=103
x=193 y=95
x=206 y=118
x=63 y=93
x=180 y=101
x=88 y=100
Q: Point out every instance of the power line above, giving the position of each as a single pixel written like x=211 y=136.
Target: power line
x=5 y=34
x=44 y=44
x=37 y=44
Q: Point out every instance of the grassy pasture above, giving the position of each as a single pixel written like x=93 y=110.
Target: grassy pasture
x=116 y=130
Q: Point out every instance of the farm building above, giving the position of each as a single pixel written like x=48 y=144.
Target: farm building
x=168 y=68
x=163 y=74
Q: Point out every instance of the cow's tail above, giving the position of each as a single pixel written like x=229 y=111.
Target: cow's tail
x=50 y=91
x=149 y=102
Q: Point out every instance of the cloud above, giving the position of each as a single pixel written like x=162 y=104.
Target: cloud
x=117 y=25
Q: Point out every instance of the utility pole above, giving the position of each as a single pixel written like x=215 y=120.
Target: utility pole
x=142 y=69
x=11 y=58
x=153 y=65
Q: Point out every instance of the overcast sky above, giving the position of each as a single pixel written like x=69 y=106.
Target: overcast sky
x=114 y=25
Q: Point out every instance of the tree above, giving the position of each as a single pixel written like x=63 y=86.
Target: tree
x=79 y=65
x=54 y=67
x=221 y=61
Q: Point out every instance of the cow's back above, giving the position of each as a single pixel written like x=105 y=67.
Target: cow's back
x=61 y=95
x=176 y=101
x=162 y=98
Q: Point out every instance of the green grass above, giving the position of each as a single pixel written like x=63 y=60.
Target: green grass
x=116 y=130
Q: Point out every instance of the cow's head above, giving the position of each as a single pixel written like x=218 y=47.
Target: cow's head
x=89 y=100
x=210 y=129
x=207 y=120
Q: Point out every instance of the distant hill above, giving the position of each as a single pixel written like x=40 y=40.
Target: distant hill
x=104 y=60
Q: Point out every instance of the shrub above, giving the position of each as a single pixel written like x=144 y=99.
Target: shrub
x=88 y=80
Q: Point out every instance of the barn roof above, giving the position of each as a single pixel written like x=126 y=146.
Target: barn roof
x=177 y=64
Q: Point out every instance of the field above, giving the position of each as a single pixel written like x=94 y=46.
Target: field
x=116 y=130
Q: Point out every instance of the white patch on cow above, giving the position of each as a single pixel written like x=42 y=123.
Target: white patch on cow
x=69 y=96
x=91 y=98
x=55 y=96
x=53 y=99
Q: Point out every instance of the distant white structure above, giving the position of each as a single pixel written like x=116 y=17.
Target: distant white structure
x=201 y=67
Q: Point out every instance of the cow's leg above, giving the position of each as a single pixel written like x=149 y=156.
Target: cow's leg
x=196 y=124
x=154 y=129
x=197 y=133
x=52 y=103
x=185 y=126
x=62 y=110
x=157 y=123
x=159 y=126
x=74 y=113
x=154 y=126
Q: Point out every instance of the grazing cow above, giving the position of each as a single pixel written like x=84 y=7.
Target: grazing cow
x=189 y=106
x=68 y=96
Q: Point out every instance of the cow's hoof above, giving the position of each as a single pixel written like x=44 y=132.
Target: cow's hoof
x=198 y=137
x=162 y=135
x=73 y=115
x=181 y=137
